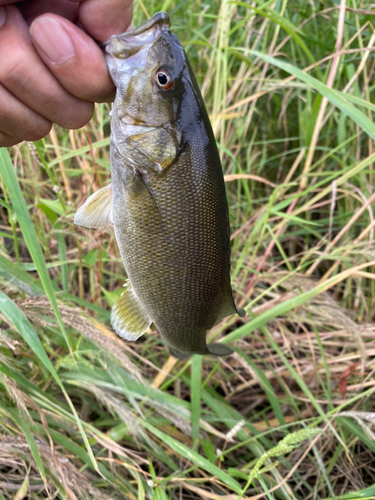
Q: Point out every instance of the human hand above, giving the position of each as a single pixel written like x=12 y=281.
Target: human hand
x=51 y=68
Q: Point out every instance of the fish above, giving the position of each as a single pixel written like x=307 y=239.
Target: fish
x=167 y=199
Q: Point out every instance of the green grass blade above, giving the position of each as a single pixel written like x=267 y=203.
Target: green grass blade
x=196 y=380
x=194 y=457
x=357 y=431
x=336 y=98
x=53 y=209
x=62 y=440
x=16 y=275
x=267 y=387
x=28 y=231
x=30 y=440
x=26 y=282
x=79 y=152
x=289 y=27
x=366 y=494
x=285 y=307
x=16 y=316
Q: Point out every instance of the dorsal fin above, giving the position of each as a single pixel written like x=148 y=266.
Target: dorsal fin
x=241 y=311
x=97 y=209
x=228 y=308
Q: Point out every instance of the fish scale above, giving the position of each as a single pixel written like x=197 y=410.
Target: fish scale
x=167 y=197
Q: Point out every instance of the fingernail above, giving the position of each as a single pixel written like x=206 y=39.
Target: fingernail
x=3 y=16
x=50 y=37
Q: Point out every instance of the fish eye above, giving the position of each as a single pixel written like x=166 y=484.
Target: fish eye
x=163 y=80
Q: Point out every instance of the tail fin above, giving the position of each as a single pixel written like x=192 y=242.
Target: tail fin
x=219 y=349
x=215 y=349
x=179 y=354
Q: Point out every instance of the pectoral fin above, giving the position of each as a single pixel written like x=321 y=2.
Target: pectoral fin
x=97 y=210
x=128 y=317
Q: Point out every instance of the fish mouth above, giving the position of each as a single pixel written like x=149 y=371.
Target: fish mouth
x=129 y=43
x=160 y=18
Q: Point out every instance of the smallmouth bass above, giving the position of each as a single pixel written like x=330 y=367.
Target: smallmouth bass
x=167 y=198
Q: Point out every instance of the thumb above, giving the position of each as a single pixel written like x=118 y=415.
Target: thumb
x=103 y=18
x=73 y=57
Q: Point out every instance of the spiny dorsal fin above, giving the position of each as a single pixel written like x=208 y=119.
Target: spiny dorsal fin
x=97 y=210
x=128 y=317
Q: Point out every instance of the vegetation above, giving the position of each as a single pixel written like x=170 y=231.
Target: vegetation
x=289 y=86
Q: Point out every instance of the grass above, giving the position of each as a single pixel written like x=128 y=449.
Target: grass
x=290 y=415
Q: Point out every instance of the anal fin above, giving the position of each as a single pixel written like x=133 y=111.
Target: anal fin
x=128 y=317
x=97 y=209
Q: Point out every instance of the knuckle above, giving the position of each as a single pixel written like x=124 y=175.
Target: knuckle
x=13 y=68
